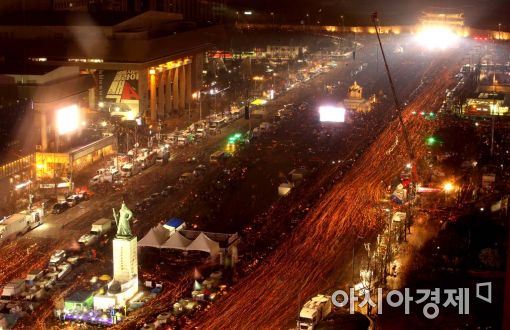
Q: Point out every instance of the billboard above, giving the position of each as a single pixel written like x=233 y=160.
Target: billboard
x=332 y=114
x=118 y=91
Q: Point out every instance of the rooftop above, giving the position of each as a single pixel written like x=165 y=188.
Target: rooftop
x=151 y=36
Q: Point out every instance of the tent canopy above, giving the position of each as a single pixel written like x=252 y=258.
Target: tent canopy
x=174 y=222
x=176 y=241
x=155 y=237
x=204 y=243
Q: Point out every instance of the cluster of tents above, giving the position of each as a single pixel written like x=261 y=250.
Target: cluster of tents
x=163 y=238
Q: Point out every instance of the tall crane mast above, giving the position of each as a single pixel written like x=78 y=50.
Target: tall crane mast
x=409 y=147
x=398 y=106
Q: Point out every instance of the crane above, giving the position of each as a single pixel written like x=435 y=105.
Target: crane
x=409 y=147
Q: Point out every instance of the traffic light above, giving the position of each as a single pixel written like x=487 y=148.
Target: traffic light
x=246 y=112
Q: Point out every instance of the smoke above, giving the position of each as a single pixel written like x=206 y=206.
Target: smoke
x=89 y=37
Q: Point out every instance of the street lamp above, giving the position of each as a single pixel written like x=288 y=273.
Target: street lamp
x=272 y=16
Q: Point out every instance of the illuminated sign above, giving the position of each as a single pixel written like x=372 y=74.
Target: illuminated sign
x=332 y=114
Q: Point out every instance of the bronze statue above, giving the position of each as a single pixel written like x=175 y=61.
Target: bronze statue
x=122 y=221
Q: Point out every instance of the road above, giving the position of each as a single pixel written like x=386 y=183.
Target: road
x=314 y=258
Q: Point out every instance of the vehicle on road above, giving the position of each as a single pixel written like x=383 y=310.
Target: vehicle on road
x=57 y=257
x=313 y=311
x=73 y=200
x=146 y=158
x=199 y=170
x=167 y=190
x=19 y=223
x=13 y=289
x=163 y=156
x=216 y=157
x=143 y=205
x=201 y=132
x=83 y=196
x=98 y=229
x=60 y=207
x=130 y=169
x=182 y=140
x=105 y=175
x=185 y=177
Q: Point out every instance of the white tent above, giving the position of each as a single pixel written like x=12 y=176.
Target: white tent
x=204 y=243
x=155 y=237
x=176 y=241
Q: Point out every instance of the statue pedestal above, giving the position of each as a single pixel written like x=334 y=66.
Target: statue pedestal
x=124 y=284
x=125 y=260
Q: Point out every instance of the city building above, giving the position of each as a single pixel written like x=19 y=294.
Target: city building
x=284 y=52
x=146 y=66
x=192 y=10
x=442 y=17
x=487 y=104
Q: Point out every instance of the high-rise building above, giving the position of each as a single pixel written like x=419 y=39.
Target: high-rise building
x=78 y=5
x=193 y=10
x=198 y=10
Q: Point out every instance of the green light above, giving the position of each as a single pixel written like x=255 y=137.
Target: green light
x=431 y=140
x=237 y=135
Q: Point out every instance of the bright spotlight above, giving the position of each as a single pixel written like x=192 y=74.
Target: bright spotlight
x=437 y=38
x=332 y=114
x=68 y=119
x=448 y=187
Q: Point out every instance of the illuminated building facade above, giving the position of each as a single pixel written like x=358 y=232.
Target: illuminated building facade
x=442 y=18
x=486 y=104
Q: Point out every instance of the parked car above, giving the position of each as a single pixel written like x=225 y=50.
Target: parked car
x=59 y=207
x=57 y=257
x=185 y=177
x=199 y=170
x=144 y=204
x=72 y=200
x=83 y=196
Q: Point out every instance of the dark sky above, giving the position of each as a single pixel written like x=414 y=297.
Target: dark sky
x=484 y=13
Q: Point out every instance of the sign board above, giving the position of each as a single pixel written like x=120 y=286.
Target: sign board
x=332 y=114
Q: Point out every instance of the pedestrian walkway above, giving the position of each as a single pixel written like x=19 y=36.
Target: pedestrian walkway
x=422 y=230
